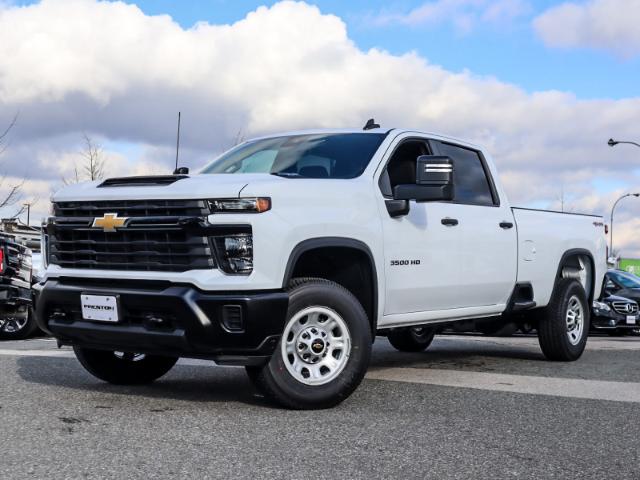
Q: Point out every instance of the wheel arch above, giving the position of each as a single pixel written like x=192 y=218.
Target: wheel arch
x=306 y=259
x=570 y=265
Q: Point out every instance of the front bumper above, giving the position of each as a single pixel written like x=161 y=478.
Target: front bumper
x=163 y=318
x=611 y=320
x=12 y=296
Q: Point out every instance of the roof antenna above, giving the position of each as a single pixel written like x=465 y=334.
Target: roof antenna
x=179 y=170
x=371 y=124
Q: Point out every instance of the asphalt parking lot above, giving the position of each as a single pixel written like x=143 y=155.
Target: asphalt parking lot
x=469 y=407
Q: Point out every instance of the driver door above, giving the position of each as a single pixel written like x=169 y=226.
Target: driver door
x=443 y=256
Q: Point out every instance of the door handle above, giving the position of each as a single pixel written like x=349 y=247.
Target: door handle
x=449 y=222
x=506 y=225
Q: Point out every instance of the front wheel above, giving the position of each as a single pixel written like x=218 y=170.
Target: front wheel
x=413 y=339
x=17 y=325
x=123 y=368
x=324 y=351
x=564 y=324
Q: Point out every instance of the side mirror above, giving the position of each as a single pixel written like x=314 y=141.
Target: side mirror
x=434 y=181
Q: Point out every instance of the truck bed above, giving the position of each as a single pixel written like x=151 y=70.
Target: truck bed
x=545 y=236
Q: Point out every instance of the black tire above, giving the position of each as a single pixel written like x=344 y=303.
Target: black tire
x=13 y=327
x=552 y=328
x=414 y=339
x=124 y=368
x=280 y=386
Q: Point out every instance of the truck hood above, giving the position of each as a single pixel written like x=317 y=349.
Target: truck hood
x=194 y=186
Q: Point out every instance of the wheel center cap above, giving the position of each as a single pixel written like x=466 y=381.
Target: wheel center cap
x=317 y=346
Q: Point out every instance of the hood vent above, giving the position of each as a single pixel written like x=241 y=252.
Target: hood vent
x=142 y=181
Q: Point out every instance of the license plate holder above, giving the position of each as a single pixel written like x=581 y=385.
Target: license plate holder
x=100 y=308
x=631 y=319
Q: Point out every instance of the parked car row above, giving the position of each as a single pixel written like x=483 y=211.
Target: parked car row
x=617 y=310
x=18 y=272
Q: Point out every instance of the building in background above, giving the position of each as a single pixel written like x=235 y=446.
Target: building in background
x=631 y=265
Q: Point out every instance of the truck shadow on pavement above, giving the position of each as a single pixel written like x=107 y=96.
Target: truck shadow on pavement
x=204 y=383
x=183 y=382
x=456 y=355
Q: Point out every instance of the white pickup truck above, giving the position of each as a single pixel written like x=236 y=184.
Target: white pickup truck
x=290 y=253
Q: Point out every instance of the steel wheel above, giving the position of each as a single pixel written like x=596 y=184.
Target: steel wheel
x=575 y=320
x=420 y=333
x=13 y=324
x=130 y=357
x=316 y=345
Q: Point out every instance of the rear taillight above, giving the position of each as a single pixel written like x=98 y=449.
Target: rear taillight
x=1 y=260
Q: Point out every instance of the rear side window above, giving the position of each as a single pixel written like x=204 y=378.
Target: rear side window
x=471 y=182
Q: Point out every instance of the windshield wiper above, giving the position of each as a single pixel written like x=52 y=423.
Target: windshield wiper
x=287 y=174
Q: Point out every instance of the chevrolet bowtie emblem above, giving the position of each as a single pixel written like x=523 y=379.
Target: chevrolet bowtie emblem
x=109 y=222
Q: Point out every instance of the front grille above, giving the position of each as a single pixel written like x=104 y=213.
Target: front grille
x=160 y=235
x=625 y=307
x=18 y=260
x=133 y=208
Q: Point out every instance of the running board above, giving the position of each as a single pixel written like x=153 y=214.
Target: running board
x=518 y=306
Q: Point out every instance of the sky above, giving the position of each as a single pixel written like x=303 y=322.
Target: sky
x=541 y=84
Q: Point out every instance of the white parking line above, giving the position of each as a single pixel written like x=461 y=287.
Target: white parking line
x=534 y=385
x=594 y=343
x=557 y=387
x=36 y=353
x=66 y=353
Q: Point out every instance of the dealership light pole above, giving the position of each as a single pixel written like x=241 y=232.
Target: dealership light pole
x=28 y=207
x=613 y=143
x=611 y=221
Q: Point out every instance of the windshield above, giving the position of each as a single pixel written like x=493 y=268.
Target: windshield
x=343 y=155
x=626 y=280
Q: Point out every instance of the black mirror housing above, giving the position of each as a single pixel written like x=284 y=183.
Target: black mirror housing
x=434 y=181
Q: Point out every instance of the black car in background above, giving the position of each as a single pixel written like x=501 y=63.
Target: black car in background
x=622 y=284
x=615 y=315
x=16 y=313
x=620 y=288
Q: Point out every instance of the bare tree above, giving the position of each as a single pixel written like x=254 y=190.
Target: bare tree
x=93 y=163
x=561 y=198
x=4 y=135
x=11 y=194
x=239 y=138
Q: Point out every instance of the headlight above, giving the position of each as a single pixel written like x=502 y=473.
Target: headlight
x=235 y=253
x=240 y=205
x=601 y=306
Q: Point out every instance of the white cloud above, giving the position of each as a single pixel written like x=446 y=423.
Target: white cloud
x=610 y=25
x=74 y=66
x=464 y=15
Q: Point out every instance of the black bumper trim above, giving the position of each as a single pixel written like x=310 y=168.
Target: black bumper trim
x=14 y=296
x=192 y=320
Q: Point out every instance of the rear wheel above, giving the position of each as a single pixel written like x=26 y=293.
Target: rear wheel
x=324 y=350
x=17 y=325
x=123 y=368
x=564 y=323
x=414 y=339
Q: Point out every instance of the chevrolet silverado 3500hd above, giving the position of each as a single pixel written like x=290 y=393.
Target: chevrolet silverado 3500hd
x=290 y=253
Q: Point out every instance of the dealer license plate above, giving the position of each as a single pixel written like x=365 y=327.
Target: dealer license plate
x=631 y=319
x=100 y=308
